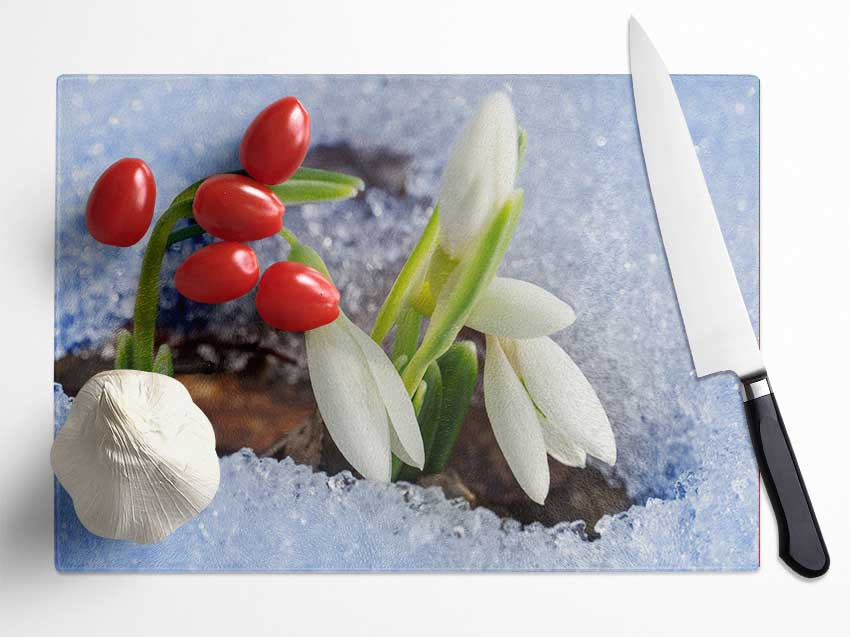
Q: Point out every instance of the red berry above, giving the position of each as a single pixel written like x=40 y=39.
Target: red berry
x=237 y=208
x=295 y=298
x=121 y=203
x=275 y=143
x=218 y=272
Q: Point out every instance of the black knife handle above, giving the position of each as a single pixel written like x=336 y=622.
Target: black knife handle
x=801 y=544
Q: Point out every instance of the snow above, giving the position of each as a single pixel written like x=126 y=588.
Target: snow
x=271 y=515
x=588 y=234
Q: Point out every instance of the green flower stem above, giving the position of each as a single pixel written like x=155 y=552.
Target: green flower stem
x=396 y=466
x=147 y=294
x=440 y=269
x=302 y=253
x=399 y=363
x=192 y=230
x=290 y=237
x=463 y=289
x=408 y=280
x=188 y=193
x=407 y=334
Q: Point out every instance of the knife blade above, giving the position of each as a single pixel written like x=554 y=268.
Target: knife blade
x=717 y=325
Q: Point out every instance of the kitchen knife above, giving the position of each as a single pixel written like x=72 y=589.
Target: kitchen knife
x=716 y=322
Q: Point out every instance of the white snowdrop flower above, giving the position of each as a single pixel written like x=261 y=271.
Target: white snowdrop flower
x=362 y=399
x=537 y=399
x=518 y=309
x=136 y=455
x=540 y=403
x=479 y=174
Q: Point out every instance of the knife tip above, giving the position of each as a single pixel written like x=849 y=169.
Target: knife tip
x=634 y=27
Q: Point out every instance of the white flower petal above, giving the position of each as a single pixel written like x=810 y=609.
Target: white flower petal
x=565 y=396
x=559 y=445
x=515 y=425
x=479 y=174
x=519 y=309
x=348 y=399
x=399 y=450
x=405 y=438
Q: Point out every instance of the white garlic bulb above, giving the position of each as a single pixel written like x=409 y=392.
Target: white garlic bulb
x=136 y=455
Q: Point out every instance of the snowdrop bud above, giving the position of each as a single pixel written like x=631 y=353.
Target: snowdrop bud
x=479 y=175
x=136 y=455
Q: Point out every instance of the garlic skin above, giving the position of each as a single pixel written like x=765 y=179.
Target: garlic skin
x=136 y=455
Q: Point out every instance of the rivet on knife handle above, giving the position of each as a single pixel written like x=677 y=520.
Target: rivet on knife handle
x=801 y=544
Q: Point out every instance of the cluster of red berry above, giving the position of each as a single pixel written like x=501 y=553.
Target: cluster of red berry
x=234 y=208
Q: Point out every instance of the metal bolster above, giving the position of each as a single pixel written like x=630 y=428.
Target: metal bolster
x=755 y=388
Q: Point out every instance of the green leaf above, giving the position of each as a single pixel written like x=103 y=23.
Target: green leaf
x=463 y=289
x=298 y=191
x=427 y=403
x=407 y=334
x=328 y=176
x=162 y=362
x=428 y=415
x=408 y=280
x=123 y=350
x=458 y=371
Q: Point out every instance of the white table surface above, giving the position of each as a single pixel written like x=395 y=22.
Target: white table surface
x=801 y=55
